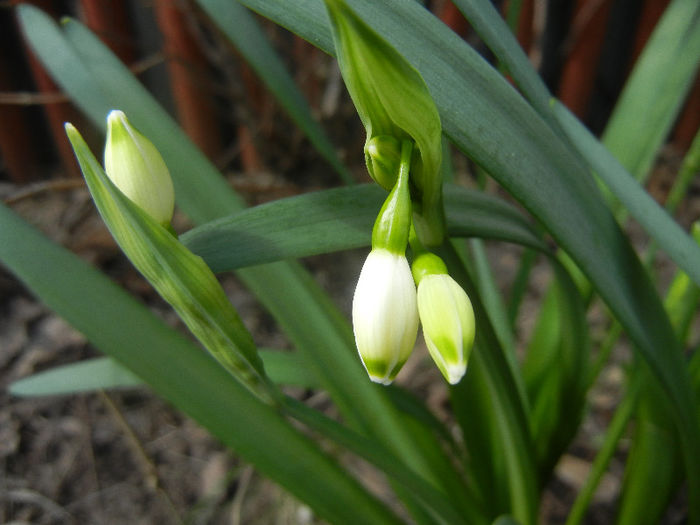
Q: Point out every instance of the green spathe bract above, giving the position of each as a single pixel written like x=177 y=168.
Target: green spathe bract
x=136 y=167
x=393 y=102
x=391 y=229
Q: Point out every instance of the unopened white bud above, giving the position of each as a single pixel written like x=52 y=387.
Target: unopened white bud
x=384 y=314
x=136 y=167
x=448 y=323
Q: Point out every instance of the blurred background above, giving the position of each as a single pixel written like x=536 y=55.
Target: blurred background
x=126 y=456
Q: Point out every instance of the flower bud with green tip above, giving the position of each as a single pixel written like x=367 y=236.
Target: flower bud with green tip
x=384 y=312
x=136 y=167
x=446 y=315
x=394 y=105
x=182 y=278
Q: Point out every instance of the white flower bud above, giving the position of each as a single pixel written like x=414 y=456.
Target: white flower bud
x=384 y=314
x=448 y=323
x=136 y=167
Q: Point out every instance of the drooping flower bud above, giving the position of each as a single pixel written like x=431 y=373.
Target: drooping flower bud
x=384 y=312
x=446 y=315
x=136 y=167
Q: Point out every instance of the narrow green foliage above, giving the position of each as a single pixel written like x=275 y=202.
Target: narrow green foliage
x=656 y=88
x=102 y=373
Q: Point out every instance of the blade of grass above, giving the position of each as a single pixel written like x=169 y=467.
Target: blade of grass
x=520 y=283
x=613 y=434
x=85 y=376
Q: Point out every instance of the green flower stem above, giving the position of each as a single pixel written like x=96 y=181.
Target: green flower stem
x=392 y=226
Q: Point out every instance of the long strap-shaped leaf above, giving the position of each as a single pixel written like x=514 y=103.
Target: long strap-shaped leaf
x=340 y=219
x=182 y=373
x=487 y=119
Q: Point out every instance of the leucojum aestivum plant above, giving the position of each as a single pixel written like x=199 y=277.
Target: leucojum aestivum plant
x=414 y=85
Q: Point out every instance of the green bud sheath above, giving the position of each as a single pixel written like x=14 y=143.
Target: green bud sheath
x=392 y=100
x=392 y=226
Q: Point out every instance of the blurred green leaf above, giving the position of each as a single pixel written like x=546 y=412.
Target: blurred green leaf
x=244 y=32
x=103 y=373
x=85 y=376
x=656 y=89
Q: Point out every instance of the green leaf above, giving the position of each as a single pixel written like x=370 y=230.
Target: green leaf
x=103 y=373
x=182 y=374
x=656 y=89
x=241 y=28
x=85 y=376
x=556 y=370
x=340 y=219
x=654 y=219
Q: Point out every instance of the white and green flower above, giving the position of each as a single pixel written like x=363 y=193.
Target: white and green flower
x=384 y=314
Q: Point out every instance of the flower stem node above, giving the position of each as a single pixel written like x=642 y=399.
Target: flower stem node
x=384 y=314
x=447 y=317
x=136 y=167
x=383 y=158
